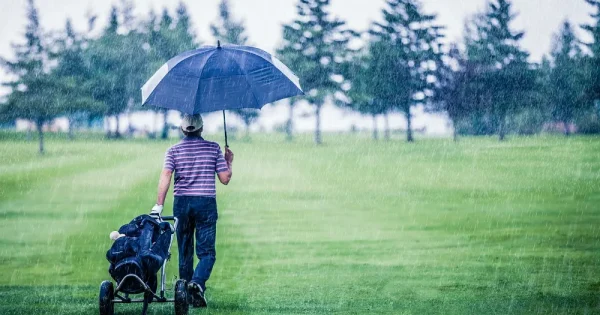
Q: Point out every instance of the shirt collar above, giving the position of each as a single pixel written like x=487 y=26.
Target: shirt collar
x=191 y=138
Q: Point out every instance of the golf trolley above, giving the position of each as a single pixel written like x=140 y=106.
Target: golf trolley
x=133 y=284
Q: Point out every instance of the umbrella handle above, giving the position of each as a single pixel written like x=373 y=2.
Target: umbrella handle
x=225 y=129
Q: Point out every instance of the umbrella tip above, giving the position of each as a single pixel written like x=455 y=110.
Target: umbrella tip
x=218 y=44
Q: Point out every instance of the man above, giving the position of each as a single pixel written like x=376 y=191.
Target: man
x=195 y=162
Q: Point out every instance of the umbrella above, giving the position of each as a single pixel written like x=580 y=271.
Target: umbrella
x=218 y=78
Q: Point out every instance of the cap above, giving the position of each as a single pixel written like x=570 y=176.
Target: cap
x=191 y=123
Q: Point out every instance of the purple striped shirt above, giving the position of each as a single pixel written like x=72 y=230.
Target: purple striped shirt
x=195 y=162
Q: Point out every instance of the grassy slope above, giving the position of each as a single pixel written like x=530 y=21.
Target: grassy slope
x=350 y=227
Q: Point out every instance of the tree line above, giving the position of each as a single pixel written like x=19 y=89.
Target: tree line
x=485 y=83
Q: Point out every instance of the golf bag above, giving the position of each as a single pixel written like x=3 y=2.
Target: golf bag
x=141 y=252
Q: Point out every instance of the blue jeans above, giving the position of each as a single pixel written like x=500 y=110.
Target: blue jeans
x=196 y=215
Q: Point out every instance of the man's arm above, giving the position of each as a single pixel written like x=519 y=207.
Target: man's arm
x=225 y=177
x=163 y=186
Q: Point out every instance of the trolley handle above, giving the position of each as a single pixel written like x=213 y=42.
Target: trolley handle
x=171 y=218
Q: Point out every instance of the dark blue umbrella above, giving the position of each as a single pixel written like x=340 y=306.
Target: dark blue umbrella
x=219 y=78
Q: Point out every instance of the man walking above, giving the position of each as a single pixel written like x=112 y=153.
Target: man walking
x=195 y=162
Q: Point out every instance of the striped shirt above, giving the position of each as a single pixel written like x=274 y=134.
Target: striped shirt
x=195 y=162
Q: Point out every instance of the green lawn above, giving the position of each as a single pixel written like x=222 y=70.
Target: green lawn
x=351 y=227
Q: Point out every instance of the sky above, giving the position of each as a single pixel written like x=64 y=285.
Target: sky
x=540 y=19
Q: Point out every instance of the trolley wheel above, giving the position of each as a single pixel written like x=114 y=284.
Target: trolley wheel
x=181 y=301
x=107 y=295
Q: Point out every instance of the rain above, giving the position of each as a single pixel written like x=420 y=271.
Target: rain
x=300 y=157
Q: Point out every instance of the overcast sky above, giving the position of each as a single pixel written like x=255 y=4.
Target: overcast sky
x=538 y=18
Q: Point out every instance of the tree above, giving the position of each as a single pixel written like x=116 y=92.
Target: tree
x=29 y=98
x=315 y=45
x=166 y=46
x=289 y=123
x=152 y=27
x=71 y=75
x=166 y=39
x=293 y=58
x=226 y=28
x=360 y=72
x=567 y=89
x=501 y=64
x=593 y=87
x=186 y=38
x=589 y=120
x=230 y=31
x=133 y=67
x=405 y=50
x=455 y=88
x=118 y=60
x=105 y=58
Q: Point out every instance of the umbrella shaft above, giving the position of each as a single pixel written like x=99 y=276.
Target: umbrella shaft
x=225 y=129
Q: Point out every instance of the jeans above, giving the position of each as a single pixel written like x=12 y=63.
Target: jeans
x=196 y=215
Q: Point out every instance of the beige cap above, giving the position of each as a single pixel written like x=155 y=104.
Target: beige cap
x=191 y=123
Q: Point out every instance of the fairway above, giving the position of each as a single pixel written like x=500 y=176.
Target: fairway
x=351 y=227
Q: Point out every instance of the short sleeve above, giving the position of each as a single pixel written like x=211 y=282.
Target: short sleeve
x=169 y=160
x=221 y=165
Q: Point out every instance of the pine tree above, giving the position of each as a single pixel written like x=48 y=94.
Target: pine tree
x=501 y=64
x=315 y=46
x=113 y=21
x=227 y=30
x=106 y=57
x=454 y=88
x=29 y=97
x=567 y=94
x=133 y=67
x=167 y=38
x=293 y=58
x=406 y=49
x=535 y=106
x=359 y=97
x=184 y=32
x=29 y=57
x=588 y=121
x=72 y=76
x=593 y=66
x=164 y=45
x=119 y=63
x=359 y=73
x=126 y=17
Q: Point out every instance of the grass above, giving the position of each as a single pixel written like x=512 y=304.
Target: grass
x=353 y=226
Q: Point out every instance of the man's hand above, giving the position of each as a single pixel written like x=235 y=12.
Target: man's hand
x=228 y=156
x=156 y=212
x=225 y=177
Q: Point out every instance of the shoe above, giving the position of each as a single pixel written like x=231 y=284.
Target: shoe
x=197 y=295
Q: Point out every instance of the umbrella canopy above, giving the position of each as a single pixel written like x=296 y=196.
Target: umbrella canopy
x=218 y=78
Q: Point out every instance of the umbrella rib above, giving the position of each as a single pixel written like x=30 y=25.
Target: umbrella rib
x=192 y=53
x=200 y=77
x=242 y=48
x=207 y=59
x=246 y=75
